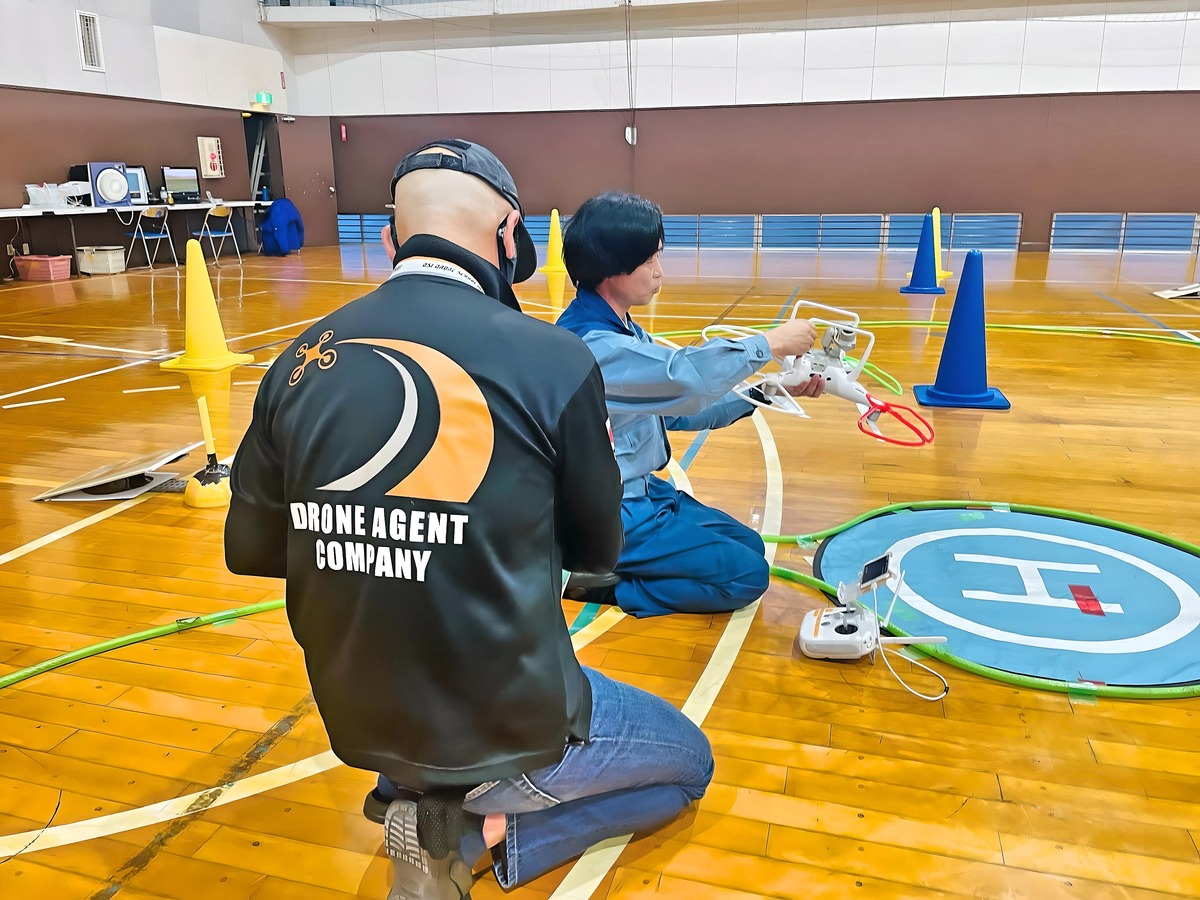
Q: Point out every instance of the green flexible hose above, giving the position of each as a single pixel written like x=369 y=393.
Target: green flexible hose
x=175 y=627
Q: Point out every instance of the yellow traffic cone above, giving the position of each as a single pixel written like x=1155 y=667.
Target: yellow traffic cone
x=937 y=245
x=554 y=251
x=204 y=338
x=556 y=288
x=208 y=489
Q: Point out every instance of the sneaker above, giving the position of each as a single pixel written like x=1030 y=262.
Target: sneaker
x=417 y=875
x=592 y=588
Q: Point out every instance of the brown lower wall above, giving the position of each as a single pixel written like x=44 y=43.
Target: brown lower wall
x=1036 y=155
x=44 y=133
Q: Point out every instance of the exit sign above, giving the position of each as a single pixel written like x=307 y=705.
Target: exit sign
x=263 y=97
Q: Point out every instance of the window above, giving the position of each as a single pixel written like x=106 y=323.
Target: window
x=89 y=42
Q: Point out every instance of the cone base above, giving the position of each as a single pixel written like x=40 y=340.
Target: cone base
x=210 y=364
x=909 y=289
x=207 y=496
x=941 y=274
x=929 y=395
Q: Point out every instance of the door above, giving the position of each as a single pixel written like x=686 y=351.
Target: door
x=306 y=157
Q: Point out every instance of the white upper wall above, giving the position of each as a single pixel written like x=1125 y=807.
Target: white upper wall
x=455 y=67
x=572 y=54
x=729 y=53
x=211 y=53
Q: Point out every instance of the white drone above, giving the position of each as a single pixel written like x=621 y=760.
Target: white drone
x=828 y=361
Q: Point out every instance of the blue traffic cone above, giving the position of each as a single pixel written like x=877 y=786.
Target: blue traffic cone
x=924 y=274
x=962 y=372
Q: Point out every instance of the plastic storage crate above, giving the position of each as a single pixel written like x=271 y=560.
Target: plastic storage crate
x=44 y=268
x=100 y=260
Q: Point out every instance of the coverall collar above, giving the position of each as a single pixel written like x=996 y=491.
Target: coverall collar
x=598 y=309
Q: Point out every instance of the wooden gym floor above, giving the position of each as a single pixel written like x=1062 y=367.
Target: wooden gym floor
x=831 y=781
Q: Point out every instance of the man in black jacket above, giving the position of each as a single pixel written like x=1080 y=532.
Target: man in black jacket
x=421 y=465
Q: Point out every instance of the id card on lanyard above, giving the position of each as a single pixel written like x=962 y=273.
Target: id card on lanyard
x=428 y=265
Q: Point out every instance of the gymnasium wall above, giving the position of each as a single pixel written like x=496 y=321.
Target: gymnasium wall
x=1134 y=152
x=45 y=133
x=737 y=52
x=59 y=130
x=211 y=53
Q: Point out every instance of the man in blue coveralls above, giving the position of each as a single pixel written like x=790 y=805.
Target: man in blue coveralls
x=679 y=555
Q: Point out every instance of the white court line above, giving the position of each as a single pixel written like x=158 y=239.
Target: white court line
x=42 y=387
x=242 y=337
x=164 y=387
x=69 y=342
x=585 y=876
x=156 y=814
x=682 y=482
x=33 y=403
x=140 y=362
x=70 y=529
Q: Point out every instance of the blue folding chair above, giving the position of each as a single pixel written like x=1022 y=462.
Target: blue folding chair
x=219 y=217
x=151 y=227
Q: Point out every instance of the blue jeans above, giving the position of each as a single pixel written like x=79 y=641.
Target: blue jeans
x=643 y=765
x=681 y=556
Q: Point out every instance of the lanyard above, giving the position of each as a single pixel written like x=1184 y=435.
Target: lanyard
x=427 y=265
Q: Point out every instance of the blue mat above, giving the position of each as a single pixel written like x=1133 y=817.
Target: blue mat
x=1034 y=595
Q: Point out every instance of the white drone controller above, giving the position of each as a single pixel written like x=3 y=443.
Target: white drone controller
x=850 y=631
x=829 y=362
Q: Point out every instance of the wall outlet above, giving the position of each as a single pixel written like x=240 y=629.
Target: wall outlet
x=25 y=249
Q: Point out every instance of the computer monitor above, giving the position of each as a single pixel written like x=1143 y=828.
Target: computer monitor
x=182 y=184
x=139 y=185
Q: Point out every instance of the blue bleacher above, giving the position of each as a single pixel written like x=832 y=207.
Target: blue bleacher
x=1159 y=231
x=861 y=232
x=681 y=231
x=791 y=232
x=983 y=231
x=895 y=231
x=729 y=232
x=1086 y=231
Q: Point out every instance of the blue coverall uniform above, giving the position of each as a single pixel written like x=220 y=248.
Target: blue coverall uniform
x=679 y=555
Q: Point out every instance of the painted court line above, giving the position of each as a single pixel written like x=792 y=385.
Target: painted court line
x=42 y=387
x=242 y=337
x=69 y=342
x=140 y=362
x=585 y=876
x=164 y=387
x=1151 y=320
x=679 y=476
x=157 y=813
x=71 y=529
x=33 y=403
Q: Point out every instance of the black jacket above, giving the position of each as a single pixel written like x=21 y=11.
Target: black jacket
x=421 y=465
